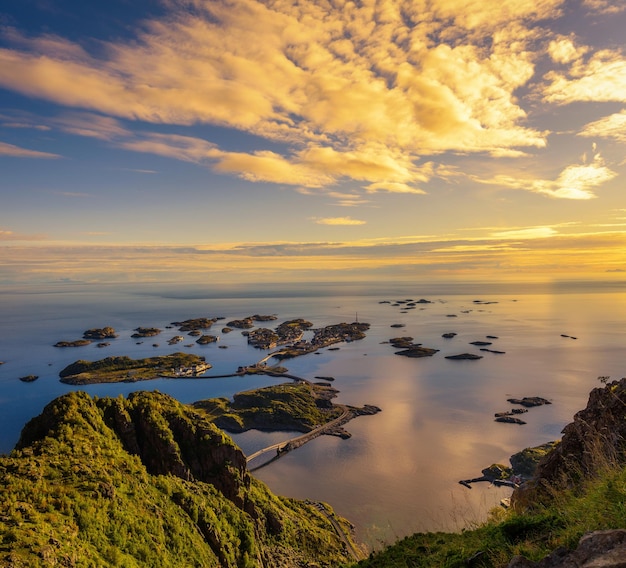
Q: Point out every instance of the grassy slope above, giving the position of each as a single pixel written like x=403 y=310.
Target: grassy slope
x=76 y=497
x=289 y=406
x=597 y=504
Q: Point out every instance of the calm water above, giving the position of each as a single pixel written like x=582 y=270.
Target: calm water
x=399 y=472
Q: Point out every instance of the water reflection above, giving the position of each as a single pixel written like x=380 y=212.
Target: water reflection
x=399 y=472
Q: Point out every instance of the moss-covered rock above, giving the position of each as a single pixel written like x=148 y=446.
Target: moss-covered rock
x=146 y=481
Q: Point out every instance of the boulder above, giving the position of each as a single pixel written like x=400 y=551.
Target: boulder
x=606 y=549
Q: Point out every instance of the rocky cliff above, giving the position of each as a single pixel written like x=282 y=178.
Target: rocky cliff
x=146 y=481
x=594 y=441
x=570 y=515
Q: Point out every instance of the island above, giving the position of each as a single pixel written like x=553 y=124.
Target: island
x=245 y=323
x=296 y=407
x=529 y=401
x=29 y=378
x=301 y=407
x=464 y=356
x=100 y=333
x=417 y=351
x=77 y=343
x=145 y=332
x=257 y=317
x=195 y=324
x=523 y=467
x=125 y=369
x=289 y=331
x=410 y=349
x=325 y=337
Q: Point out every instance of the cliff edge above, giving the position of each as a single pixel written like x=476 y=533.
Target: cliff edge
x=147 y=481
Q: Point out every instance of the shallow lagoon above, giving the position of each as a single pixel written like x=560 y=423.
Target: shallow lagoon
x=399 y=472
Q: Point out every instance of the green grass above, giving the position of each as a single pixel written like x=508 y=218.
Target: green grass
x=289 y=406
x=597 y=504
x=73 y=494
x=118 y=369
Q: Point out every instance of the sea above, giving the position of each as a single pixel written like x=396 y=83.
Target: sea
x=399 y=472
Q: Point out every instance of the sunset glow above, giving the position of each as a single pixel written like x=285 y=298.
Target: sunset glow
x=268 y=140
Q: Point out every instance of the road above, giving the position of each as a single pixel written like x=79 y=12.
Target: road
x=293 y=443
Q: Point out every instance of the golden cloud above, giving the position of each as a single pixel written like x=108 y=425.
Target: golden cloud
x=346 y=221
x=525 y=233
x=563 y=50
x=528 y=256
x=605 y=6
x=359 y=91
x=601 y=78
x=577 y=181
x=270 y=167
x=612 y=126
x=8 y=235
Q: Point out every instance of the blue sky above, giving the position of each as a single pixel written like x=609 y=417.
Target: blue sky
x=249 y=140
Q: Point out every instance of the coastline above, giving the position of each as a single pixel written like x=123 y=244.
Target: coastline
x=428 y=402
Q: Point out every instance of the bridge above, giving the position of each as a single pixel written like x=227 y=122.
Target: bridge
x=293 y=443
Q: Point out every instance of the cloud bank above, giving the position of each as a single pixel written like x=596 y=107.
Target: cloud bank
x=367 y=91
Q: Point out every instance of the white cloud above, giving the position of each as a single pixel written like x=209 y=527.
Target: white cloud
x=12 y=151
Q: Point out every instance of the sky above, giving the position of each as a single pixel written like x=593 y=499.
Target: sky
x=266 y=141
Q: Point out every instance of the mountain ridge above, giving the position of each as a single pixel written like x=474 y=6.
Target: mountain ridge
x=147 y=481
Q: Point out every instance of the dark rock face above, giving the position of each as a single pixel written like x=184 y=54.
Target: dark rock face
x=606 y=549
x=524 y=463
x=593 y=440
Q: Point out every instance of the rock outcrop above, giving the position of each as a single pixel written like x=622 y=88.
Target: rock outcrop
x=593 y=441
x=598 y=549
